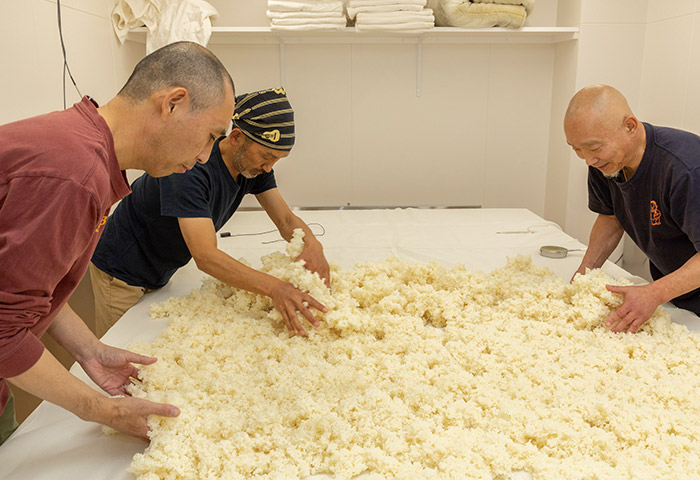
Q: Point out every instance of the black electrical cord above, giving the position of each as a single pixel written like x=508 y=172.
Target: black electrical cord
x=66 y=68
x=229 y=234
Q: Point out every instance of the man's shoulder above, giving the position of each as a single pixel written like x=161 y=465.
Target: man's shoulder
x=678 y=144
x=59 y=144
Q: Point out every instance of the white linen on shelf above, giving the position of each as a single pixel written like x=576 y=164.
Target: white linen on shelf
x=303 y=15
x=391 y=16
x=302 y=6
x=401 y=7
x=167 y=22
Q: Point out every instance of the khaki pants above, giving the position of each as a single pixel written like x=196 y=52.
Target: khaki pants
x=112 y=298
x=8 y=421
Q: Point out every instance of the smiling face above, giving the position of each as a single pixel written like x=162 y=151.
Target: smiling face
x=186 y=137
x=601 y=129
x=601 y=146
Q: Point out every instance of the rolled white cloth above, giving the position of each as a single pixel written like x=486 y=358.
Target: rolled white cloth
x=390 y=18
x=128 y=14
x=167 y=22
x=529 y=5
x=304 y=6
x=184 y=20
x=399 y=7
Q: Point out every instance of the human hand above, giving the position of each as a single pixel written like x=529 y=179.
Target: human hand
x=112 y=368
x=130 y=415
x=288 y=300
x=639 y=305
x=315 y=261
x=581 y=270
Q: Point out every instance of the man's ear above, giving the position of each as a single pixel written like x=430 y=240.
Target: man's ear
x=174 y=99
x=631 y=124
x=236 y=137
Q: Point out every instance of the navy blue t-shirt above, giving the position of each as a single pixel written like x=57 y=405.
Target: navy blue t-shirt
x=659 y=207
x=142 y=244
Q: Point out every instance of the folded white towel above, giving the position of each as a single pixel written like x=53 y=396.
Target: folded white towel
x=399 y=7
x=395 y=17
x=374 y=3
x=272 y=14
x=341 y=20
x=301 y=6
x=414 y=27
x=301 y=28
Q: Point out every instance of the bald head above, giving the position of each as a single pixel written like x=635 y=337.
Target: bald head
x=600 y=127
x=601 y=104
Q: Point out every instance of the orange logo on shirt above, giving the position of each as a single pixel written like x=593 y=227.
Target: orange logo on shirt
x=102 y=222
x=655 y=214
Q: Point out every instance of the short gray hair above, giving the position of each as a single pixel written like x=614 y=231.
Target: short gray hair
x=180 y=64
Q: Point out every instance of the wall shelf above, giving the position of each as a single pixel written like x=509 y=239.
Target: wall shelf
x=438 y=35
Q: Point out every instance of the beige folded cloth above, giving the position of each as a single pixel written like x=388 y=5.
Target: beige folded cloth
x=468 y=14
x=528 y=5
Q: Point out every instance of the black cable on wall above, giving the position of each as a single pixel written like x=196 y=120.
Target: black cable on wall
x=66 y=68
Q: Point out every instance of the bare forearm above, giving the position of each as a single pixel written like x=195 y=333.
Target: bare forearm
x=50 y=381
x=291 y=222
x=72 y=334
x=223 y=267
x=605 y=235
x=683 y=280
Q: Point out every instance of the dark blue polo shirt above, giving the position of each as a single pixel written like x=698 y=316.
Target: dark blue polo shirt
x=142 y=244
x=659 y=207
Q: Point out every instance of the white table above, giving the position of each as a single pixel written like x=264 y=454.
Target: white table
x=53 y=444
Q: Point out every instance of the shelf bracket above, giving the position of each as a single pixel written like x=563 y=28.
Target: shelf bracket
x=283 y=75
x=419 y=68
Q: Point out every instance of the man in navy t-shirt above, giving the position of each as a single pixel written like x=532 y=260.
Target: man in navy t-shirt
x=643 y=180
x=167 y=221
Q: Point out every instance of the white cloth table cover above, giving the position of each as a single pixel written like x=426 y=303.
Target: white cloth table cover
x=54 y=444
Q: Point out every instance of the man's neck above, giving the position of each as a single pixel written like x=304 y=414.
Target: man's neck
x=117 y=117
x=637 y=155
x=226 y=150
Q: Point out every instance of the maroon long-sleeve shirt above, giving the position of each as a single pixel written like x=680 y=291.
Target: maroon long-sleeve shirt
x=59 y=176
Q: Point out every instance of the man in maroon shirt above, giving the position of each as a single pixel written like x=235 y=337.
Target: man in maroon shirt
x=59 y=175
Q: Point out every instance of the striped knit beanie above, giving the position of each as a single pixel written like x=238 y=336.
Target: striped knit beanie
x=266 y=117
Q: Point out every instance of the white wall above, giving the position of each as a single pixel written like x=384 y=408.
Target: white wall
x=671 y=67
x=32 y=62
x=610 y=51
x=365 y=138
